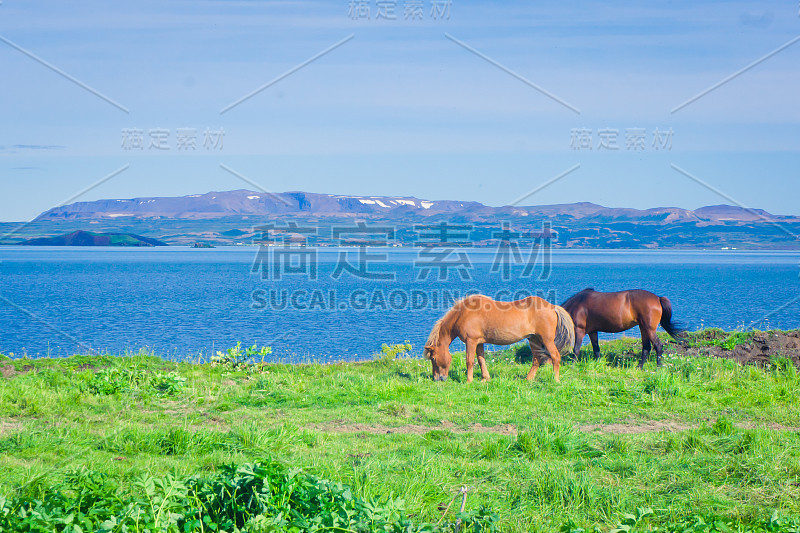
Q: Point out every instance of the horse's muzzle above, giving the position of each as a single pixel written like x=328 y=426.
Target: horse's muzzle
x=441 y=378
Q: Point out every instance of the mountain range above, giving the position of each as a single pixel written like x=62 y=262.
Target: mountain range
x=245 y=202
x=232 y=217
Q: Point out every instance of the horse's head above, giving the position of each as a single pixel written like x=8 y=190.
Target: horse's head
x=440 y=361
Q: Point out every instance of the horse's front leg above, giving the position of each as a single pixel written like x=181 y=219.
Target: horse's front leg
x=482 y=363
x=472 y=346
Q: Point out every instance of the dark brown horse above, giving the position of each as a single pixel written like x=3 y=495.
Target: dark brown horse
x=478 y=319
x=612 y=312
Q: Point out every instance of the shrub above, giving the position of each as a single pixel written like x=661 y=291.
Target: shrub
x=258 y=497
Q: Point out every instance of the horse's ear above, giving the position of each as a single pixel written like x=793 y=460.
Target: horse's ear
x=427 y=352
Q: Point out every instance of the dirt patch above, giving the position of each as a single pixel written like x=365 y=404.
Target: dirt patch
x=630 y=428
x=8 y=371
x=8 y=427
x=344 y=426
x=654 y=426
x=215 y=421
x=503 y=429
x=624 y=427
x=758 y=351
x=211 y=422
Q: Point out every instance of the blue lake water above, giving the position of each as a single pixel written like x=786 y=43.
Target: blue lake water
x=184 y=303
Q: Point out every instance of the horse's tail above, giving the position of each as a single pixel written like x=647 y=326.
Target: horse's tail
x=565 y=331
x=675 y=329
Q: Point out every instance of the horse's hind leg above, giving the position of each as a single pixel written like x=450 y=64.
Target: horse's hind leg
x=534 y=361
x=645 y=345
x=482 y=363
x=595 y=344
x=555 y=357
x=657 y=345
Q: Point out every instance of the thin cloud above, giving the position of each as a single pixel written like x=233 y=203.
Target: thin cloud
x=38 y=147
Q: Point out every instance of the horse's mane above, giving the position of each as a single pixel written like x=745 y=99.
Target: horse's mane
x=433 y=338
x=577 y=298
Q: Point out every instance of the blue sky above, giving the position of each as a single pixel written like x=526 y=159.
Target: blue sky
x=400 y=108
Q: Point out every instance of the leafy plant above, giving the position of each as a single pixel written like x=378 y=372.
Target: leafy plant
x=718 y=337
x=630 y=521
x=108 y=381
x=168 y=384
x=394 y=351
x=236 y=359
x=257 y=497
x=736 y=338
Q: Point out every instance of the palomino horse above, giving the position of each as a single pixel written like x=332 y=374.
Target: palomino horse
x=612 y=312
x=478 y=319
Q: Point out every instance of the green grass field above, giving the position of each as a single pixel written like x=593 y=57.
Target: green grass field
x=702 y=444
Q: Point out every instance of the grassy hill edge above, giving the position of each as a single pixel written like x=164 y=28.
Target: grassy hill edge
x=700 y=445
